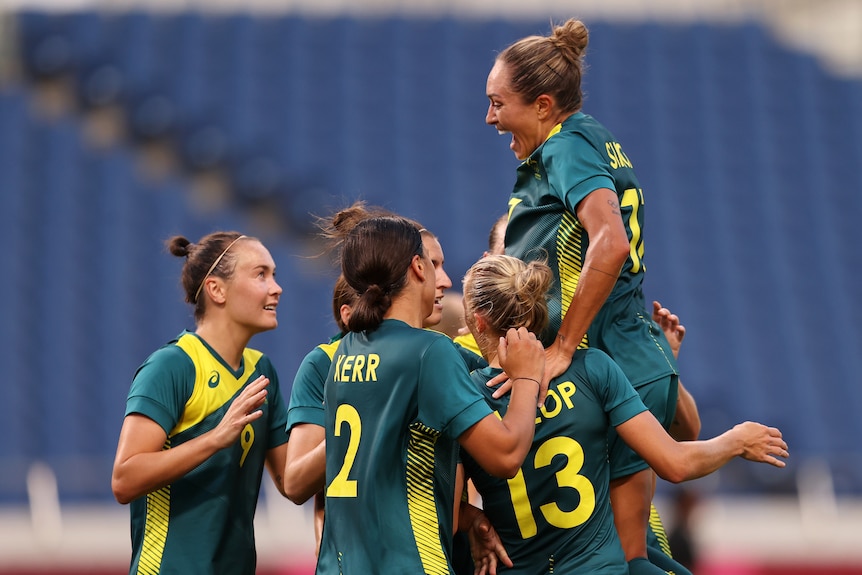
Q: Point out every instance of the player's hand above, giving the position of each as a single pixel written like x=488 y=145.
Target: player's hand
x=669 y=324
x=486 y=547
x=521 y=355
x=557 y=362
x=244 y=409
x=505 y=385
x=761 y=443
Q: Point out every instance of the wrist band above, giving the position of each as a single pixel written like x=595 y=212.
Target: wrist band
x=539 y=383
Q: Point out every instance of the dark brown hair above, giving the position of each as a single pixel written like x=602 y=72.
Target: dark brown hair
x=211 y=250
x=342 y=294
x=375 y=257
x=335 y=229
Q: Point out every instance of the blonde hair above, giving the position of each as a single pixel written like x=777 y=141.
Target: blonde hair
x=508 y=293
x=550 y=65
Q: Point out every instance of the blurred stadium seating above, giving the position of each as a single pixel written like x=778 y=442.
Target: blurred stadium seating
x=748 y=152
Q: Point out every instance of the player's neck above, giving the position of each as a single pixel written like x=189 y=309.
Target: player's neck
x=407 y=308
x=228 y=344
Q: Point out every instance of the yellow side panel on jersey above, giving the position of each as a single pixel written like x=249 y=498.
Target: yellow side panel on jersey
x=657 y=527
x=155 y=531
x=570 y=257
x=155 y=528
x=421 y=503
x=215 y=384
x=512 y=203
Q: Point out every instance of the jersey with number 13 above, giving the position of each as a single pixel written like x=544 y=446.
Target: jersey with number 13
x=554 y=516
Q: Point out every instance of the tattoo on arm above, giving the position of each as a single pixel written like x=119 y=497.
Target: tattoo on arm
x=615 y=207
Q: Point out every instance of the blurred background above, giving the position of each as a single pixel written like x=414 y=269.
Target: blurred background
x=122 y=123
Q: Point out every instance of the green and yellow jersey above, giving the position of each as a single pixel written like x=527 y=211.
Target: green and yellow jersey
x=396 y=400
x=579 y=157
x=555 y=515
x=203 y=522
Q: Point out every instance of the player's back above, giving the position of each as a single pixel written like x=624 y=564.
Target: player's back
x=391 y=431
x=555 y=514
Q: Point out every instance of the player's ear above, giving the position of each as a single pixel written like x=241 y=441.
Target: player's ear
x=544 y=104
x=215 y=288
x=480 y=322
x=418 y=267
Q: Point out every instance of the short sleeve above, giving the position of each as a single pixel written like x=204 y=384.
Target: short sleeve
x=448 y=398
x=306 y=395
x=575 y=168
x=162 y=386
x=619 y=399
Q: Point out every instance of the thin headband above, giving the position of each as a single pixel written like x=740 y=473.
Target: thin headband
x=212 y=267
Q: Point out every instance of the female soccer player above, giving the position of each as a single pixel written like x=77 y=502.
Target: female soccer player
x=204 y=417
x=305 y=466
x=398 y=400
x=578 y=203
x=554 y=515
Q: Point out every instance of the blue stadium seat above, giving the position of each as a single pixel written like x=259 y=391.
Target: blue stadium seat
x=747 y=152
x=47 y=49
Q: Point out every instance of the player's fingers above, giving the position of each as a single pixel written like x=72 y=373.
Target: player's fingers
x=502 y=390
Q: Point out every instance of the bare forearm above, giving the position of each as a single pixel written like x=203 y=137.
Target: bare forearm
x=700 y=458
x=501 y=446
x=749 y=440
x=604 y=260
x=306 y=475
x=146 y=472
x=520 y=418
x=594 y=287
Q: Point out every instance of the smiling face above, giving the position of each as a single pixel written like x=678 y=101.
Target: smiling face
x=251 y=293
x=508 y=112
x=441 y=279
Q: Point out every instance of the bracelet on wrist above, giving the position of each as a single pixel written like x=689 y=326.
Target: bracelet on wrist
x=539 y=383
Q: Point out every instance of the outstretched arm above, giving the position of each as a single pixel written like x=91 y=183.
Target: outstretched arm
x=677 y=461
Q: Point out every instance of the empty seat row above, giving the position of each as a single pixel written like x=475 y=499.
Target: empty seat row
x=747 y=153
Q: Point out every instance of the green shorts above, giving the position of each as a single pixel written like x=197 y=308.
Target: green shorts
x=660 y=397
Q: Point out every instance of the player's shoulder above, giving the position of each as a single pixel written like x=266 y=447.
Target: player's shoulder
x=579 y=129
x=172 y=351
x=322 y=352
x=427 y=338
x=592 y=359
